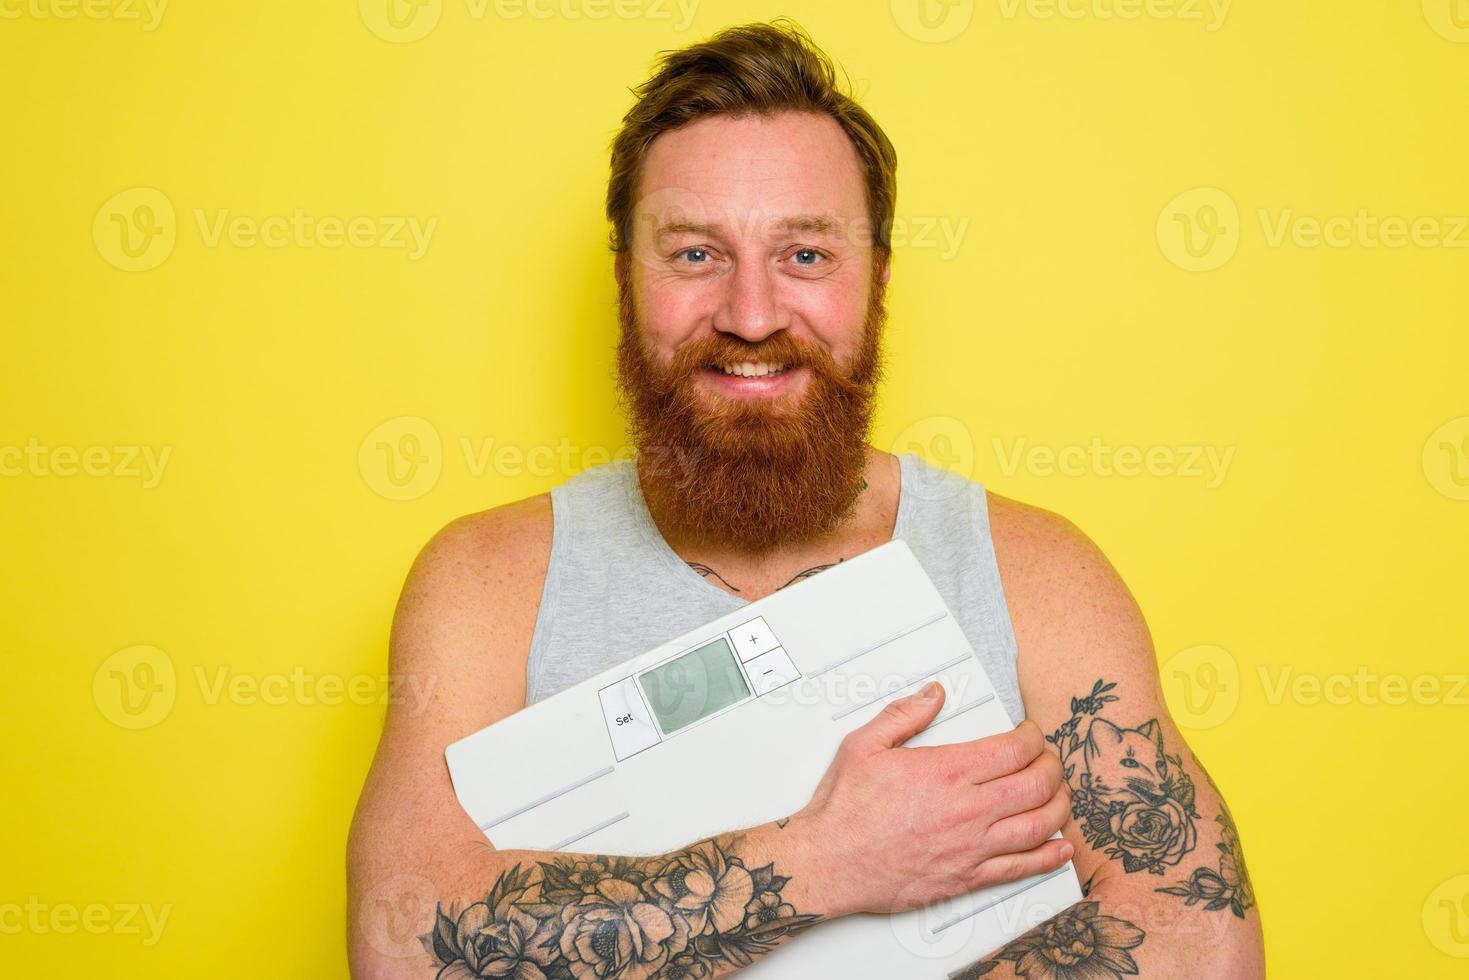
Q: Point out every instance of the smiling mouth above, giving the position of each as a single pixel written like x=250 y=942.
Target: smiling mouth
x=751 y=369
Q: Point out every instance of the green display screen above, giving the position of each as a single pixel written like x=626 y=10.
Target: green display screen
x=694 y=685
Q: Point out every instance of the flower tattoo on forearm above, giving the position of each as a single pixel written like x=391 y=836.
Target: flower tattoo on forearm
x=1078 y=944
x=689 y=914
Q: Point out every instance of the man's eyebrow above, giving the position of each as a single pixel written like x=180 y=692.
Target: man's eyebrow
x=811 y=223
x=815 y=223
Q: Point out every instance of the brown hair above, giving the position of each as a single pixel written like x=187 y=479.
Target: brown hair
x=754 y=68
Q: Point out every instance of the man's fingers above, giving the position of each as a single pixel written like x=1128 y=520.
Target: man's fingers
x=984 y=759
x=1012 y=867
x=1027 y=830
x=901 y=719
x=1023 y=790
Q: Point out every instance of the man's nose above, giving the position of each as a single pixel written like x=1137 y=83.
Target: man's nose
x=750 y=308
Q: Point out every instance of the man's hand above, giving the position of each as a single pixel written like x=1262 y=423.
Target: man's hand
x=902 y=827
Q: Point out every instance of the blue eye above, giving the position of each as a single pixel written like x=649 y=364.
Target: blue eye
x=695 y=251
x=814 y=256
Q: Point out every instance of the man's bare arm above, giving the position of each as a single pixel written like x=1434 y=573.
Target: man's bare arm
x=418 y=867
x=1167 y=893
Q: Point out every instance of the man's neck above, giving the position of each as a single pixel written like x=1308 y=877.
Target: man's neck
x=751 y=575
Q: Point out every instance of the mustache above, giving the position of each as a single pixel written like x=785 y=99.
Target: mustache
x=778 y=348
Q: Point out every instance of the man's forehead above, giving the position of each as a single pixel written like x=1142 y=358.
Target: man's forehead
x=787 y=172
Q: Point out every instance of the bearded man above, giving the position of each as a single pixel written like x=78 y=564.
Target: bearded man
x=751 y=202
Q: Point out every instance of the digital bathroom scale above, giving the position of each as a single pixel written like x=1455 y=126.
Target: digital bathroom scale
x=732 y=725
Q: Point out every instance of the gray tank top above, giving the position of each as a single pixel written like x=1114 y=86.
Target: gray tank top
x=615 y=589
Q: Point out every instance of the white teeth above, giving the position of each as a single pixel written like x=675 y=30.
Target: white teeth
x=751 y=369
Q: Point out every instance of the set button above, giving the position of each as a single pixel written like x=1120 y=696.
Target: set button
x=628 y=720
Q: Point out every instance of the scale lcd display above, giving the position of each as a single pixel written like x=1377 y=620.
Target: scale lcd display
x=694 y=685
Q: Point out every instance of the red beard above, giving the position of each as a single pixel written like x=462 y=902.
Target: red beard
x=750 y=475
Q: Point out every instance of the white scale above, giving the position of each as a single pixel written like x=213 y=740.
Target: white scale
x=732 y=725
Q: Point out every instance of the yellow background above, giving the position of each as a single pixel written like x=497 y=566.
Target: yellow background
x=271 y=546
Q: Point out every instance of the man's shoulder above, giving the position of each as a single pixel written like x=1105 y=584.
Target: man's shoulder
x=496 y=556
x=1056 y=579
x=513 y=532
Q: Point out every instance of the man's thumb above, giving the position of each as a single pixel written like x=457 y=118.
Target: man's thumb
x=903 y=718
